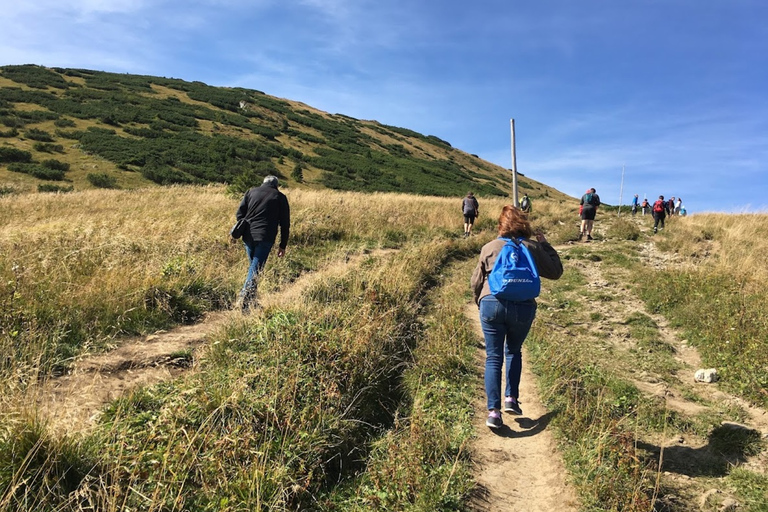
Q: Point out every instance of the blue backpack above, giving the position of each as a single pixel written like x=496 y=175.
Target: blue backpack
x=514 y=275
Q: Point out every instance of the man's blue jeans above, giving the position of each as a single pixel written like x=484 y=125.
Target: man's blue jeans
x=505 y=326
x=258 y=252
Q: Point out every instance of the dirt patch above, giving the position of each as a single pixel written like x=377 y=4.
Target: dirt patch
x=73 y=401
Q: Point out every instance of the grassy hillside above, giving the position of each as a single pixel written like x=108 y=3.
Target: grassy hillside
x=64 y=129
x=355 y=392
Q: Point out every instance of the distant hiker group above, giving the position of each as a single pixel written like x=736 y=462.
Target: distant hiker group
x=670 y=207
x=660 y=209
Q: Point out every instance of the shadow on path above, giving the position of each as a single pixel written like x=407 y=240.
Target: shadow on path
x=728 y=445
x=530 y=426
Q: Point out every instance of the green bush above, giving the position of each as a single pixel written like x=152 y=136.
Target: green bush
x=624 y=229
x=12 y=122
x=49 y=187
x=55 y=164
x=47 y=147
x=37 y=77
x=37 y=171
x=102 y=180
x=41 y=135
x=36 y=116
x=64 y=123
x=298 y=173
x=10 y=154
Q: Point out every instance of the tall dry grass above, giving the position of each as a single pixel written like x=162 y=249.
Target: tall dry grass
x=736 y=243
x=78 y=269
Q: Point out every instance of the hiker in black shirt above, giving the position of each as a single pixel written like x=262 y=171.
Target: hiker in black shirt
x=265 y=209
x=470 y=208
x=589 y=203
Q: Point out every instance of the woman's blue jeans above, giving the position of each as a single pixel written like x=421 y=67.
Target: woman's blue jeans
x=505 y=326
x=258 y=252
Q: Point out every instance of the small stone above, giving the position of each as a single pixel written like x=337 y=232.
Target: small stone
x=728 y=505
x=708 y=375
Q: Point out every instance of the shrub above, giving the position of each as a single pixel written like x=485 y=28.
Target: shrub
x=165 y=175
x=13 y=132
x=55 y=164
x=298 y=173
x=6 y=190
x=37 y=171
x=64 y=123
x=10 y=154
x=49 y=187
x=34 y=76
x=624 y=229
x=12 y=122
x=47 y=147
x=102 y=180
x=36 y=134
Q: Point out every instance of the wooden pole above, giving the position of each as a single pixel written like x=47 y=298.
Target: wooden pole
x=621 y=189
x=514 y=165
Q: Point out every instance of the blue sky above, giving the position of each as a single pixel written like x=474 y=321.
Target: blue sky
x=674 y=90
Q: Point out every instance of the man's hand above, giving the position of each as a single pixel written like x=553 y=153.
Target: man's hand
x=280 y=253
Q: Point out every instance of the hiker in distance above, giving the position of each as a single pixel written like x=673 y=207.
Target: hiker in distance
x=471 y=209
x=589 y=203
x=659 y=213
x=634 y=205
x=264 y=209
x=507 y=305
x=525 y=204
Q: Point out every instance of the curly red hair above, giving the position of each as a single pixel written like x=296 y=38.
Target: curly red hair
x=513 y=223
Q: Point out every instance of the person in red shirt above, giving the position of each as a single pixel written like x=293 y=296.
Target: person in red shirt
x=659 y=213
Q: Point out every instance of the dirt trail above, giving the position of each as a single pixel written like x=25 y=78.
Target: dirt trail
x=73 y=401
x=518 y=465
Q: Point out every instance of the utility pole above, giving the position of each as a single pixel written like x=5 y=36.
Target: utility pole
x=621 y=189
x=514 y=165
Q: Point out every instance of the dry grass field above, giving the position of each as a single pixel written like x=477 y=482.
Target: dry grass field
x=352 y=387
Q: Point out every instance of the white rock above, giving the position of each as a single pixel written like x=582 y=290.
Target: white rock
x=709 y=375
x=729 y=504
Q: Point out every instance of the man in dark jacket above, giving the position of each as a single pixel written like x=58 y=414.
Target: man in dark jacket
x=265 y=209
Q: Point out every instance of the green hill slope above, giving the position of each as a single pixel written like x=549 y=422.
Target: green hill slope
x=75 y=128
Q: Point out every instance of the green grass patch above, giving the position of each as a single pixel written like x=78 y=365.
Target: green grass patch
x=724 y=320
x=752 y=488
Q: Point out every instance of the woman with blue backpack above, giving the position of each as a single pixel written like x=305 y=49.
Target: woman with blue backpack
x=506 y=283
